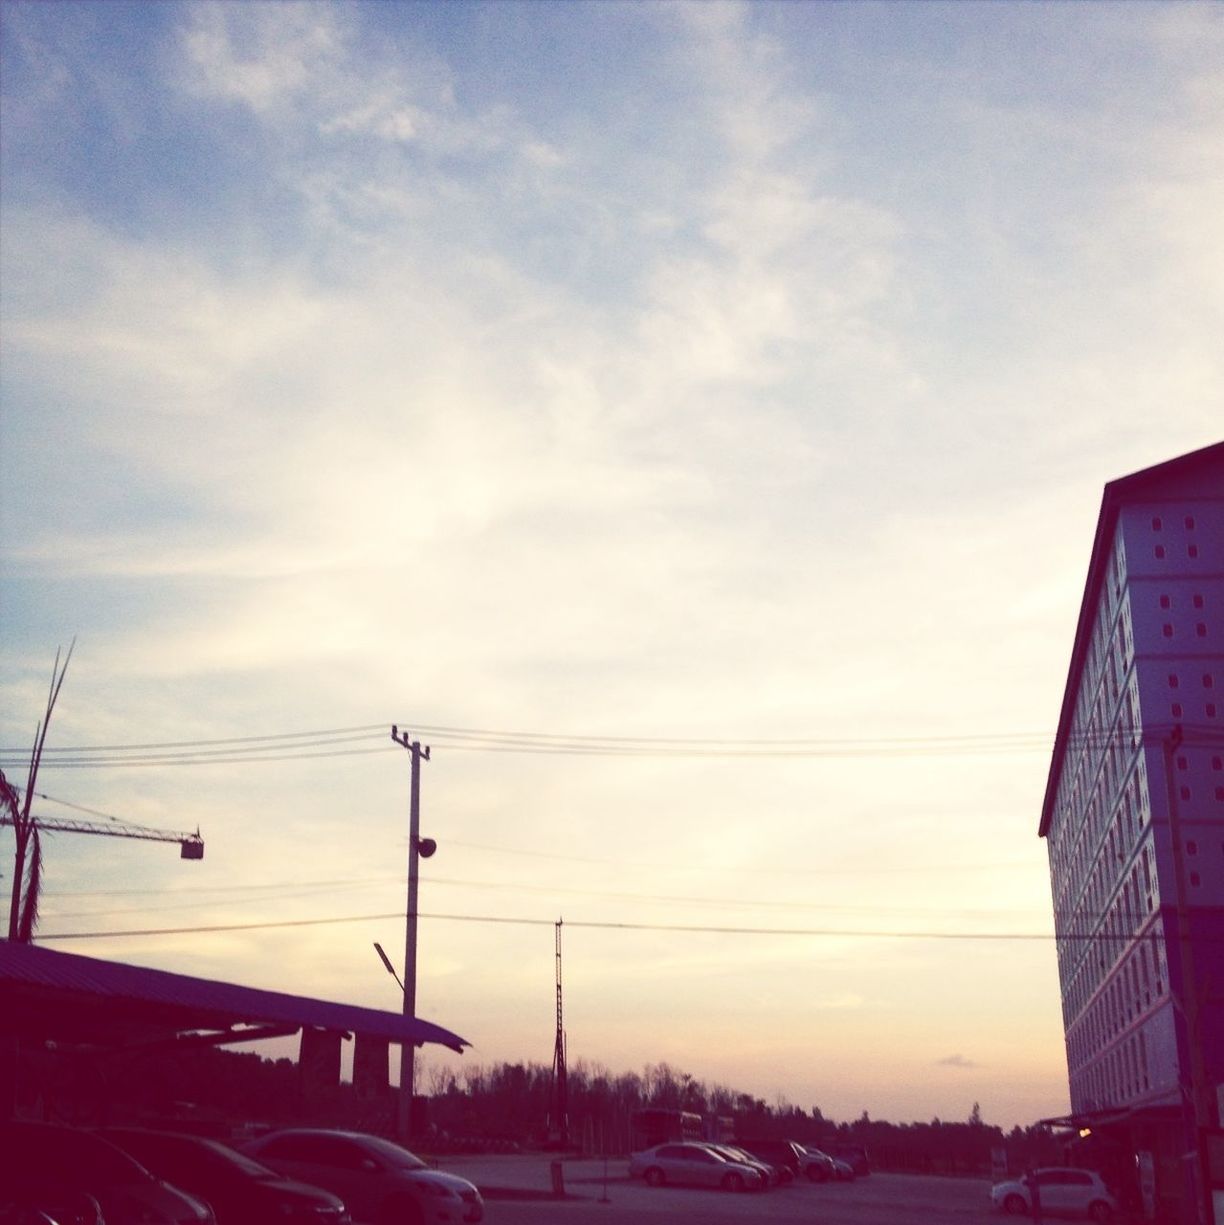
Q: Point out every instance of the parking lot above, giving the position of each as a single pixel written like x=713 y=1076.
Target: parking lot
x=881 y=1199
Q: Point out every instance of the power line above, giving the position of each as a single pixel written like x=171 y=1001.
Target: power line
x=272 y=747
x=739 y=869
x=291 y=891
x=589 y=923
x=613 y=925
x=317 y=745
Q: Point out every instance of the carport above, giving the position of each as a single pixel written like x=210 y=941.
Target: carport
x=69 y=1002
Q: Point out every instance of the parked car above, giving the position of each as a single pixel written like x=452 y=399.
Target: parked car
x=822 y=1167
x=854 y=1155
x=240 y=1190
x=787 y=1154
x=50 y=1208
x=43 y=1165
x=770 y=1174
x=1063 y=1191
x=377 y=1180
x=693 y=1164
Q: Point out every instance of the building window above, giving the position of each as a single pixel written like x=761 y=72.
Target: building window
x=1217 y=763
x=1189 y=523
x=1192 y=551
x=1182 y=763
x=1211 y=710
x=1173 y=681
x=1195 y=880
x=1191 y=847
x=1201 y=629
x=1165 y=602
x=1156 y=524
x=1198 y=601
x=1167 y=630
x=1160 y=550
x=1208 y=680
x=1220 y=793
x=1185 y=793
x=1177 y=710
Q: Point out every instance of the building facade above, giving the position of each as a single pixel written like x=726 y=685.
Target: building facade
x=1133 y=818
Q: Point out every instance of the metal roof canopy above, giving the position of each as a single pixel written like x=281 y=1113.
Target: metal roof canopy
x=52 y=996
x=1120 y=1116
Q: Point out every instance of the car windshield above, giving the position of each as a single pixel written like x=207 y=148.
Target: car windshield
x=162 y=1153
x=243 y=1164
x=392 y=1154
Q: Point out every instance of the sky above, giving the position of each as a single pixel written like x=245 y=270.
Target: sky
x=690 y=420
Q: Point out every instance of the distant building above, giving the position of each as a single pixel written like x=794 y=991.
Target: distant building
x=1133 y=818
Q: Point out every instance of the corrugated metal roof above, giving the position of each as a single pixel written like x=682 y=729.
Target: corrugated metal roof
x=198 y=1003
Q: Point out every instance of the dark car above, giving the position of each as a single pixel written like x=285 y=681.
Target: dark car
x=50 y=1208
x=855 y=1156
x=378 y=1180
x=240 y=1189
x=824 y=1167
x=787 y=1155
x=41 y=1163
x=771 y=1176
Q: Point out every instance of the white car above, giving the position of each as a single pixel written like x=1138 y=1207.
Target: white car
x=1063 y=1192
x=695 y=1165
x=377 y=1180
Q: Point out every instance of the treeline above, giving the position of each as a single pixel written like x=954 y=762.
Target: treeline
x=516 y=1103
x=495 y=1106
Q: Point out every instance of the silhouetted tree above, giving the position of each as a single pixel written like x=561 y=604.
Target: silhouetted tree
x=27 y=878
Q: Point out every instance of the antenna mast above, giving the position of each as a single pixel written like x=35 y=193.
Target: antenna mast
x=560 y=1127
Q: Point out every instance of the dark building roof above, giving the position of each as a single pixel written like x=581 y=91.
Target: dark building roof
x=1199 y=473
x=67 y=998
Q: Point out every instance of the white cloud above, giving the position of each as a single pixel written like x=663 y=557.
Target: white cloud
x=265 y=56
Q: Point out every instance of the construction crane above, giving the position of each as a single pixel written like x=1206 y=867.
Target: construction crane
x=191 y=846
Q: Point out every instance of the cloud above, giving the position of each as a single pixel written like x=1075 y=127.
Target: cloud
x=956 y=1061
x=263 y=56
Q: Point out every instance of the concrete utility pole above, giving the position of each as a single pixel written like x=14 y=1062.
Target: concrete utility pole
x=416 y=848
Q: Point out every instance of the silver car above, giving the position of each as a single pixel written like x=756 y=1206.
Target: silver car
x=694 y=1165
x=1063 y=1192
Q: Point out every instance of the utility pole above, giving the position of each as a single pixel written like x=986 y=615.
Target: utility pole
x=416 y=848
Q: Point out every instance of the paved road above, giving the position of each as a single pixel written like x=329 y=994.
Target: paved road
x=882 y=1199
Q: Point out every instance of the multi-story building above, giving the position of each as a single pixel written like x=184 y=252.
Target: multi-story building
x=1133 y=818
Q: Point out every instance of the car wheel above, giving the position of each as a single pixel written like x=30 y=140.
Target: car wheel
x=733 y=1181
x=1100 y=1212
x=400 y=1210
x=1014 y=1205
x=817 y=1173
x=654 y=1177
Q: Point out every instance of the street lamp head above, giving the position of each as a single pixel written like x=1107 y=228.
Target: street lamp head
x=426 y=847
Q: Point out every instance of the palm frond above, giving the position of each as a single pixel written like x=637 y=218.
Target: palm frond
x=29 y=902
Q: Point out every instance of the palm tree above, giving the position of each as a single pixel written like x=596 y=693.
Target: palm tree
x=27 y=877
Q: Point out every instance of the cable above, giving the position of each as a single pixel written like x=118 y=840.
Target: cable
x=241 y=749
x=296 y=891
x=352 y=732
x=739 y=869
x=605 y=925
x=588 y=923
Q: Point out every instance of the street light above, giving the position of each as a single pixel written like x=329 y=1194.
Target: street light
x=378 y=948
